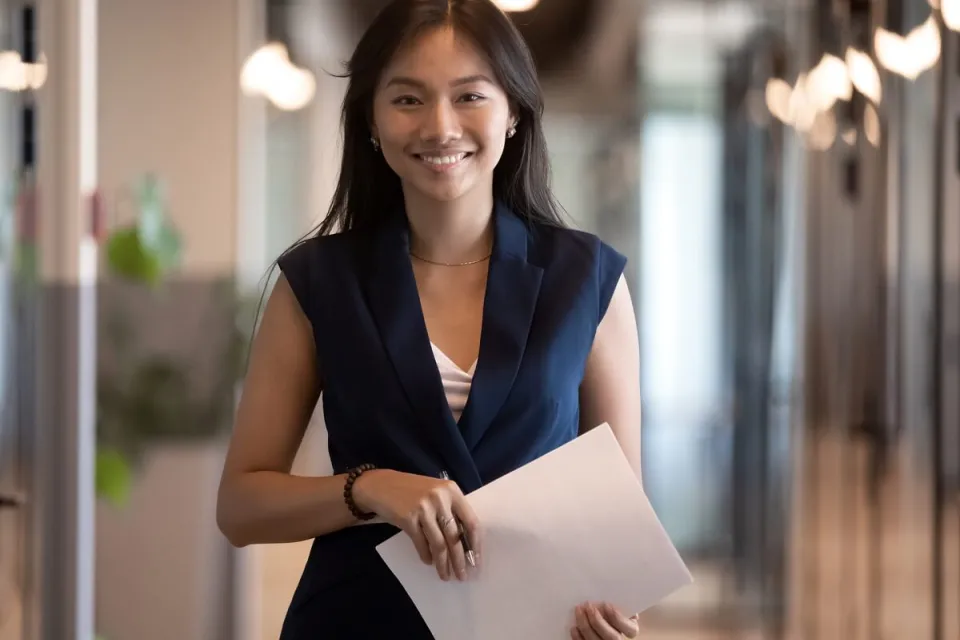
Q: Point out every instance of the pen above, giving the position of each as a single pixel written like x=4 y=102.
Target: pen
x=468 y=550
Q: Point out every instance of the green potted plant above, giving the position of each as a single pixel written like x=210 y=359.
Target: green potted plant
x=155 y=395
x=146 y=397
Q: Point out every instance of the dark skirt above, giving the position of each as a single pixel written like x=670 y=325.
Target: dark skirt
x=346 y=591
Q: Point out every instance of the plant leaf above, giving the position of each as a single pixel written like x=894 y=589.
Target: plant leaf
x=156 y=232
x=127 y=257
x=168 y=247
x=151 y=215
x=113 y=477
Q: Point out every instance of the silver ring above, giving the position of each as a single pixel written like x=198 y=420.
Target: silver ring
x=443 y=521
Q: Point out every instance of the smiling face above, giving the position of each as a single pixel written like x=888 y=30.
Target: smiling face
x=441 y=118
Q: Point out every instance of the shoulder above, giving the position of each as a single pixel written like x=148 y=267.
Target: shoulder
x=579 y=255
x=319 y=248
x=566 y=247
x=318 y=254
x=306 y=264
x=567 y=243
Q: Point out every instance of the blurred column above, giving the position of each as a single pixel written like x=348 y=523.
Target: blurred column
x=251 y=255
x=946 y=538
x=65 y=438
x=245 y=610
x=253 y=216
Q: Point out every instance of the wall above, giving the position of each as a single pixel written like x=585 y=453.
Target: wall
x=168 y=104
x=572 y=140
x=168 y=75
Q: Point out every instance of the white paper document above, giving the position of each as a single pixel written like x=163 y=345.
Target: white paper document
x=572 y=526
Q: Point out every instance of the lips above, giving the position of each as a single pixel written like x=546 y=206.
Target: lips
x=443 y=162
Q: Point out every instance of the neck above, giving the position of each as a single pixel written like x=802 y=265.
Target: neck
x=450 y=232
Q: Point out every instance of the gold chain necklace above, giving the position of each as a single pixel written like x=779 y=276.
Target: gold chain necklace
x=451 y=264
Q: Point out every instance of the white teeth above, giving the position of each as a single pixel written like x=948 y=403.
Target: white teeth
x=443 y=160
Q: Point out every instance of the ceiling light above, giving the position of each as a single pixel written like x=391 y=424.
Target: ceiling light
x=516 y=5
x=268 y=72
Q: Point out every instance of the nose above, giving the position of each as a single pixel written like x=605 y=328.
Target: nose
x=441 y=125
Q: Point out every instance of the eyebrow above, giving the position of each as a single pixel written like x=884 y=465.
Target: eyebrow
x=413 y=82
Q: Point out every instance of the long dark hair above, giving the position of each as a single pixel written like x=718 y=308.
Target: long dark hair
x=368 y=187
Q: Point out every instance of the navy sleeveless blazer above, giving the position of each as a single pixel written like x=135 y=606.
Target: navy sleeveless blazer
x=383 y=399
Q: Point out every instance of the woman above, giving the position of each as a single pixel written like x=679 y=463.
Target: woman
x=456 y=328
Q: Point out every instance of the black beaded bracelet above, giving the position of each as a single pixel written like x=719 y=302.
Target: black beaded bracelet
x=352 y=476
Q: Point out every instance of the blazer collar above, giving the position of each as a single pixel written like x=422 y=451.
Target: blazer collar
x=513 y=286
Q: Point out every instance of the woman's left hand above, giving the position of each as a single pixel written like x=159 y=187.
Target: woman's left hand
x=603 y=621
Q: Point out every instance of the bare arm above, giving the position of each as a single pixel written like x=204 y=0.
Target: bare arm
x=259 y=501
x=610 y=391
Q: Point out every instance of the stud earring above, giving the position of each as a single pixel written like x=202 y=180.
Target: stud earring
x=376 y=143
x=512 y=131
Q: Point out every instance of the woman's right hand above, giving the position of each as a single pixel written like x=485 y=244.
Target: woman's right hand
x=426 y=509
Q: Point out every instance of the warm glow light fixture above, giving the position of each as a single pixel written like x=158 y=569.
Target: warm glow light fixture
x=268 y=72
x=516 y=6
x=950 y=10
x=822 y=132
x=871 y=125
x=807 y=105
x=911 y=55
x=17 y=75
x=777 y=96
x=864 y=75
x=828 y=82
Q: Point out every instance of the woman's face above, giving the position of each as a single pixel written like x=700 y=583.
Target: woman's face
x=441 y=118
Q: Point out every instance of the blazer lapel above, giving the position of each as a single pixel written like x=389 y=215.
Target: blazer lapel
x=395 y=305
x=513 y=285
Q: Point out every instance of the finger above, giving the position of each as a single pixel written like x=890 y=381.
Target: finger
x=435 y=539
x=619 y=621
x=583 y=625
x=600 y=626
x=451 y=532
x=575 y=634
x=412 y=529
x=471 y=524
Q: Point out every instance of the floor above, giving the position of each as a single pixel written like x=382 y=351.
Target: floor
x=863 y=564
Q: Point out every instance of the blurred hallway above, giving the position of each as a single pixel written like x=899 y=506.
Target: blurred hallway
x=783 y=176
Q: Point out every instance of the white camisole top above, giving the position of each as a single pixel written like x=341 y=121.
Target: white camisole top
x=456 y=381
